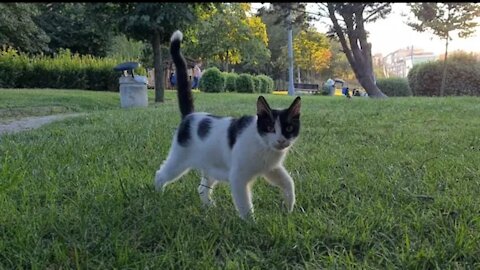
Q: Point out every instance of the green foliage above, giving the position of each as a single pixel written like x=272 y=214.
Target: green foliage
x=443 y=18
x=212 y=81
x=230 y=81
x=394 y=87
x=412 y=78
x=256 y=84
x=228 y=36
x=463 y=77
x=19 y=30
x=266 y=85
x=125 y=48
x=65 y=70
x=245 y=83
x=141 y=21
x=275 y=18
x=84 y=28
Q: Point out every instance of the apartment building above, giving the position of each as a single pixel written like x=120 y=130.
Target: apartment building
x=399 y=62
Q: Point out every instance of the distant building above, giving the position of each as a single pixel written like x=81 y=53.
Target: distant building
x=377 y=59
x=399 y=62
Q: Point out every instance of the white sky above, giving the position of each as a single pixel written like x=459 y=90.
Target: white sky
x=392 y=33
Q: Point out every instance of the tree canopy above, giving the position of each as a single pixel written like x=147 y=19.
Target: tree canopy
x=19 y=29
x=312 y=51
x=229 y=36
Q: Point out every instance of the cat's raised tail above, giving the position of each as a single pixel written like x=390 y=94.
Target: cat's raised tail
x=184 y=91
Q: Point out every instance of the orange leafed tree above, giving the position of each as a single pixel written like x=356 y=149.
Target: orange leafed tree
x=312 y=51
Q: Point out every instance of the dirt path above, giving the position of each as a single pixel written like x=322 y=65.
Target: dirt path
x=28 y=123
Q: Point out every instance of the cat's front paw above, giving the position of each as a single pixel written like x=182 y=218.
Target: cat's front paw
x=159 y=184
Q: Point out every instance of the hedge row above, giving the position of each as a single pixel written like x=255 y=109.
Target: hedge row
x=394 y=87
x=65 y=71
x=463 y=77
x=213 y=80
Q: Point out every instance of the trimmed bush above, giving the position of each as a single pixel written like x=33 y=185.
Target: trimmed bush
x=463 y=77
x=266 y=85
x=230 y=81
x=65 y=71
x=257 y=82
x=412 y=77
x=394 y=87
x=245 y=83
x=212 y=81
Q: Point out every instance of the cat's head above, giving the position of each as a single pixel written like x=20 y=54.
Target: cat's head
x=278 y=128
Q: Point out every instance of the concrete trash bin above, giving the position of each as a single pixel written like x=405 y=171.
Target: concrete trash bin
x=133 y=88
x=133 y=91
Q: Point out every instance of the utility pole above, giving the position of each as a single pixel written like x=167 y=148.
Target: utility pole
x=291 y=89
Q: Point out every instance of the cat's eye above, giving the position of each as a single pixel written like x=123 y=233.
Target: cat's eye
x=289 y=128
x=270 y=129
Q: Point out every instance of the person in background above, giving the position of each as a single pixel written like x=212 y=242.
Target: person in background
x=197 y=74
x=173 y=80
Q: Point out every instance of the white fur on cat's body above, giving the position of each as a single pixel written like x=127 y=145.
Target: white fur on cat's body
x=252 y=155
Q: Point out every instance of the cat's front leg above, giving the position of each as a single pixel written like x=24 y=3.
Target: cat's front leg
x=240 y=184
x=279 y=177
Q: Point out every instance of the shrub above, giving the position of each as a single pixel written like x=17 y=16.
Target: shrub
x=257 y=84
x=412 y=77
x=245 y=83
x=230 y=82
x=463 y=77
x=65 y=70
x=394 y=87
x=266 y=85
x=212 y=81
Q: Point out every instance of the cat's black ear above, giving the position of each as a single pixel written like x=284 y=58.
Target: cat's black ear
x=262 y=106
x=294 y=109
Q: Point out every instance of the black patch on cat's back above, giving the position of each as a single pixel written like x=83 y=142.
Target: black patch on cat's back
x=204 y=127
x=236 y=128
x=183 y=134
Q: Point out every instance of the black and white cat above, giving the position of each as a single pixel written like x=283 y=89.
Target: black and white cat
x=233 y=150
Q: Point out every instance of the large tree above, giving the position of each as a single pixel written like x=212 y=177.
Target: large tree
x=155 y=23
x=226 y=35
x=351 y=32
x=19 y=30
x=442 y=19
x=275 y=17
x=84 y=28
x=312 y=52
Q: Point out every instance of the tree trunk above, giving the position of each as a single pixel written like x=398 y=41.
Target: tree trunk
x=226 y=63
x=158 y=66
x=358 y=55
x=444 y=75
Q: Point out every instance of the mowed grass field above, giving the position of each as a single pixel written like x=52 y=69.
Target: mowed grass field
x=380 y=184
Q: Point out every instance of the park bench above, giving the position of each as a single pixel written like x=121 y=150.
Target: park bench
x=308 y=87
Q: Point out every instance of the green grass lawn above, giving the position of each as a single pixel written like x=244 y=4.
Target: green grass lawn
x=17 y=103
x=380 y=184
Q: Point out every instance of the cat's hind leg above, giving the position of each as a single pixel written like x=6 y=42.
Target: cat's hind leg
x=279 y=177
x=171 y=170
x=205 y=189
